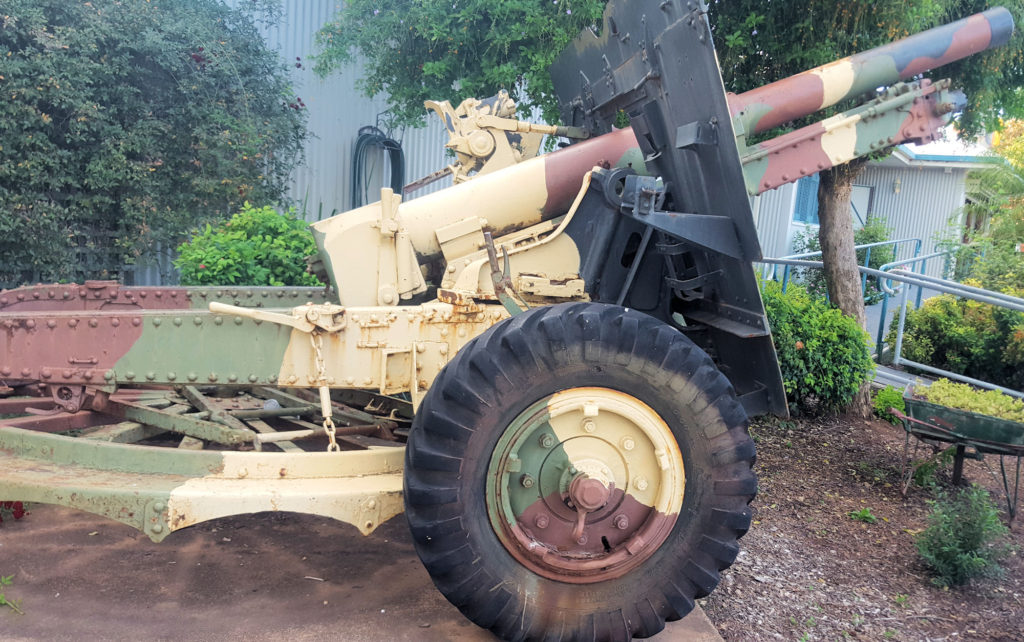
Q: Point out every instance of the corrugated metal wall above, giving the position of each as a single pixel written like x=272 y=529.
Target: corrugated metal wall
x=928 y=206
x=336 y=112
x=773 y=214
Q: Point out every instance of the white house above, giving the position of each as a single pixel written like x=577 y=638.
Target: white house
x=919 y=191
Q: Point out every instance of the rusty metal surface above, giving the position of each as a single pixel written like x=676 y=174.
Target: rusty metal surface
x=111 y=296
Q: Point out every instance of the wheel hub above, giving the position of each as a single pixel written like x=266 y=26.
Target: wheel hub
x=585 y=484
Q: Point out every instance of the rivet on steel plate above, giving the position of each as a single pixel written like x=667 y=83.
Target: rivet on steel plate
x=150 y=376
x=129 y=375
x=108 y=375
x=171 y=376
x=30 y=324
x=136 y=321
x=115 y=322
x=159 y=507
x=212 y=376
x=157 y=322
x=192 y=376
x=176 y=321
x=157 y=528
x=51 y=324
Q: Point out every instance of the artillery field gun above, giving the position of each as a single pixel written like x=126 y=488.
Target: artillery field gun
x=549 y=365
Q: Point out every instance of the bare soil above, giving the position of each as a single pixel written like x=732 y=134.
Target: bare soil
x=808 y=571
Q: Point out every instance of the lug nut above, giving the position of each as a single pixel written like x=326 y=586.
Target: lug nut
x=628 y=443
x=621 y=522
x=547 y=441
x=589 y=426
x=541 y=521
x=640 y=484
x=526 y=481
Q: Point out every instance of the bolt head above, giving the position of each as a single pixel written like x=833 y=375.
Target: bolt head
x=547 y=441
x=628 y=443
x=621 y=522
x=640 y=483
x=527 y=481
x=541 y=521
x=589 y=426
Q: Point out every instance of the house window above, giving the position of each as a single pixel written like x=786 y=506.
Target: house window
x=806 y=209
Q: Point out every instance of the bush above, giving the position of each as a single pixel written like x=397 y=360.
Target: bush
x=966 y=337
x=823 y=354
x=885 y=399
x=874 y=231
x=126 y=123
x=256 y=247
x=963 y=538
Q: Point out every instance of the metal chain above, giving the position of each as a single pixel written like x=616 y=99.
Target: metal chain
x=317 y=339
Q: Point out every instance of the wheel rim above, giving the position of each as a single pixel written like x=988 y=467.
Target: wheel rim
x=585 y=485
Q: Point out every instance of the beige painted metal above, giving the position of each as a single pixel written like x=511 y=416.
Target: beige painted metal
x=362 y=488
x=388 y=349
x=619 y=440
x=486 y=138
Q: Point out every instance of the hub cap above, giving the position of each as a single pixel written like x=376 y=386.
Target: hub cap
x=585 y=484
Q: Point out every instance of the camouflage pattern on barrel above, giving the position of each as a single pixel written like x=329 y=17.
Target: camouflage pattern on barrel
x=805 y=93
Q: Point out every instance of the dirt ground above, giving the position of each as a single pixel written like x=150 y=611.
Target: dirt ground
x=807 y=571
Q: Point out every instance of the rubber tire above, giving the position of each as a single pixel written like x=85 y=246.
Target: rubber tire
x=513 y=365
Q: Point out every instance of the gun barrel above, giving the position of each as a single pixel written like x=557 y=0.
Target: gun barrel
x=805 y=93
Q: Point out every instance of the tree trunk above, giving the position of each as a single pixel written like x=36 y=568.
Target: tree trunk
x=835 y=235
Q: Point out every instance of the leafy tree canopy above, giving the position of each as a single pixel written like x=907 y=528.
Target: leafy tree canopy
x=125 y=123
x=416 y=51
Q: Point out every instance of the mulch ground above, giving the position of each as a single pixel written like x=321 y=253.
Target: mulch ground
x=809 y=571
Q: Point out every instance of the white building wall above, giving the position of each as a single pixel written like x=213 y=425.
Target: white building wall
x=929 y=205
x=774 y=214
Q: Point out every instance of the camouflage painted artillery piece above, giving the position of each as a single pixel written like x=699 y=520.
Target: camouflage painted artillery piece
x=549 y=365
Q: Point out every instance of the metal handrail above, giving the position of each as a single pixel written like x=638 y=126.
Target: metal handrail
x=941 y=285
x=867 y=258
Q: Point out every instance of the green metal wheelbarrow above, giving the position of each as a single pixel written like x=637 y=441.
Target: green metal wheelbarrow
x=934 y=424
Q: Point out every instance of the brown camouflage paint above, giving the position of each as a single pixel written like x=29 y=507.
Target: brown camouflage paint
x=780 y=102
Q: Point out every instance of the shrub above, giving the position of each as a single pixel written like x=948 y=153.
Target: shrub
x=963 y=538
x=125 y=124
x=823 y=354
x=258 y=246
x=965 y=337
x=874 y=231
x=885 y=399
